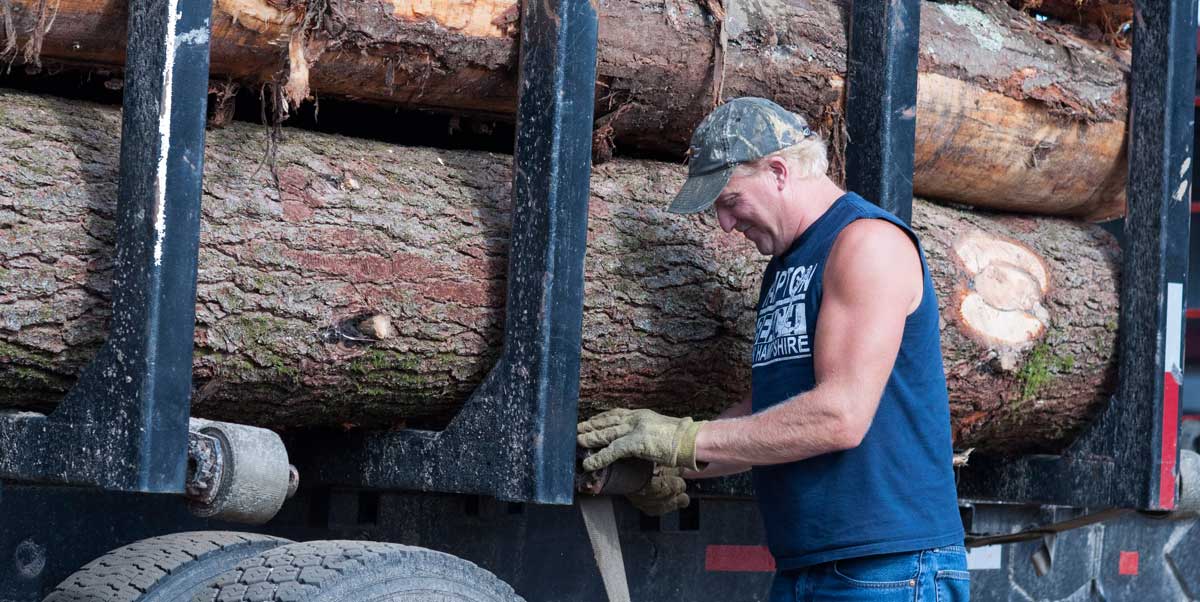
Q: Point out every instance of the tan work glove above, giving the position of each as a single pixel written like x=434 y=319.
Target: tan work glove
x=664 y=493
x=642 y=434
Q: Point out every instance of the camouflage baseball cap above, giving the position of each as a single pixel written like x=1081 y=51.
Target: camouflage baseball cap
x=741 y=130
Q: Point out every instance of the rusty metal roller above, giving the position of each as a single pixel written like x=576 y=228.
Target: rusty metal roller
x=237 y=473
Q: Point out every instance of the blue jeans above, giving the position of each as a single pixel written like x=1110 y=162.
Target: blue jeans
x=936 y=575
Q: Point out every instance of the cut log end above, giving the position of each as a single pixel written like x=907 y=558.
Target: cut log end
x=1002 y=290
x=998 y=327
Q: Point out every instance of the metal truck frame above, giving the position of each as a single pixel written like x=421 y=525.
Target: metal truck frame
x=493 y=485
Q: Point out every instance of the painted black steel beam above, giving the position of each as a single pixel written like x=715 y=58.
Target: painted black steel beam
x=1137 y=434
x=1141 y=427
x=514 y=439
x=881 y=102
x=1081 y=482
x=124 y=425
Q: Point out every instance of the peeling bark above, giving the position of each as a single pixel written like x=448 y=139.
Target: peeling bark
x=1011 y=113
x=415 y=240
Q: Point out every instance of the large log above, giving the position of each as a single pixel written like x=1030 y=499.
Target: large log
x=1011 y=113
x=419 y=236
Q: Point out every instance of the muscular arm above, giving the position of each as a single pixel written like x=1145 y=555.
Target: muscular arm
x=872 y=282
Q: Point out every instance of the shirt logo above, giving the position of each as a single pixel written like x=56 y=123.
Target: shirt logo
x=781 y=332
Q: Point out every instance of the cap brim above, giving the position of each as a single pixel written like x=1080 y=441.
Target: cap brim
x=699 y=191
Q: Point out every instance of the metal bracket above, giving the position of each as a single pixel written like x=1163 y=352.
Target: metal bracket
x=124 y=425
x=514 y=439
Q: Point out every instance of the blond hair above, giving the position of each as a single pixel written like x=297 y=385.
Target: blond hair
x=808 y=159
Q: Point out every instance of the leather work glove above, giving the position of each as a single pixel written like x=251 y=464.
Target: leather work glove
x=664 y=493
x=642 y=434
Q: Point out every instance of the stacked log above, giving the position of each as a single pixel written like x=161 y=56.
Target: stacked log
x=1011 y=113
x=415 y=239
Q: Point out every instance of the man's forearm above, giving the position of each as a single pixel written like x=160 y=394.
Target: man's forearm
x=714 y=469
x=808 y=425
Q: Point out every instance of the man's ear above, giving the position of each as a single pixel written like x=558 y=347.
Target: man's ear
x=779 y=169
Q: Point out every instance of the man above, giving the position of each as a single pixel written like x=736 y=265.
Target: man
x=847 y=430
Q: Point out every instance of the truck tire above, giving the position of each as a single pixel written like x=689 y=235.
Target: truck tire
x=170 y=568
x=334 y=571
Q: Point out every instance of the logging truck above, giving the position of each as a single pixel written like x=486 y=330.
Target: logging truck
x=355 y=368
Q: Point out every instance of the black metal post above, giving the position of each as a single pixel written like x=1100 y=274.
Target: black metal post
x=881 y=102
x=1128 y=457
x=1141 y=426
x=514 y=438
x=124 y=425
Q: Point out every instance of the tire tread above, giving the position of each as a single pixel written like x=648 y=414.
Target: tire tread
x=298 y=572
x=128 y=573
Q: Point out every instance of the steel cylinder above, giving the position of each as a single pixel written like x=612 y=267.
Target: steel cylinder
x=254 y=475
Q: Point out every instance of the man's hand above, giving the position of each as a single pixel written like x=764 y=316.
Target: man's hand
x=643 y=434
x=664 y=493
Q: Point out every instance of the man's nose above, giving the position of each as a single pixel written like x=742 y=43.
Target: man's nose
x=725 y=220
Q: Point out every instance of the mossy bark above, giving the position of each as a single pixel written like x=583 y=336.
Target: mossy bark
x=1011 y=113
x=420 y=236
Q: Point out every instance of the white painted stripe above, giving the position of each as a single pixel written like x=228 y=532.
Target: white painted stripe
x=985 y=558
x=781 y=359
x=1173 y=351
x=164 y=133
x=196 y=36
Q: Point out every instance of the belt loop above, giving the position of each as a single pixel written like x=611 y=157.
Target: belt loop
x=922 y=558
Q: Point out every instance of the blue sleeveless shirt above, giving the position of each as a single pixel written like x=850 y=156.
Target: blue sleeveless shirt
x=893 y=493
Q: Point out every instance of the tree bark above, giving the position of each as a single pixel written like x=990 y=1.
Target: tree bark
x=417 y=237
x=1011 y=113
x=1108 y=15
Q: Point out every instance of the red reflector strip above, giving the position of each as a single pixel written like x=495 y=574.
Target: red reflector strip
x=1128 y=564
x=1192 y=314
x=1170 y=442
x=738 y=559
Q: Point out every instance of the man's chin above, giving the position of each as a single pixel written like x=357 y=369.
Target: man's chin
x=761 y=243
